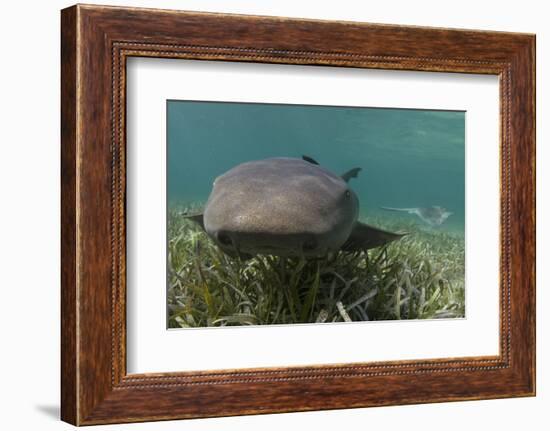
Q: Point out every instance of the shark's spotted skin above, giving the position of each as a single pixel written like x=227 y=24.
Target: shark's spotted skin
x=434 y=216
x=286 y=207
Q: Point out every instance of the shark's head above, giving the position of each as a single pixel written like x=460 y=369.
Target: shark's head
x=280 y=206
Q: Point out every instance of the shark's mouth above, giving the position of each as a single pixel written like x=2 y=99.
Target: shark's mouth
x=279 y=245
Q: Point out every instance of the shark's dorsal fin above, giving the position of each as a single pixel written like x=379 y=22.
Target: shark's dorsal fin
x=310 y=160
x=364 y=237
x=352 y=173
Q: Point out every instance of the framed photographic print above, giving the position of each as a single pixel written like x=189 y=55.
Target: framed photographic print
x=264 y=214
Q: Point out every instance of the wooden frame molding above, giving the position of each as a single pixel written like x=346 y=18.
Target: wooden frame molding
x=95 y=43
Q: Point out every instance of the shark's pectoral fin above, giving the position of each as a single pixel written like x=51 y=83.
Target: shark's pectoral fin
x=352 y=173
x=364 y=237
x=197 y=218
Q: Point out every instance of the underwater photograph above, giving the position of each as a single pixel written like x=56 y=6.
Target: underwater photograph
x=301 y=214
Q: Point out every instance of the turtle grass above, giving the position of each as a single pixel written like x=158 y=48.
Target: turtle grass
x=420 y=276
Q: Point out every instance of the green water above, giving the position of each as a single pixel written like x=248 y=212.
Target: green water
x=409 y=158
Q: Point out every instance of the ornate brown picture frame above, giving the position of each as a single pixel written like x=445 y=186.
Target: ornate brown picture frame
x=96 y=41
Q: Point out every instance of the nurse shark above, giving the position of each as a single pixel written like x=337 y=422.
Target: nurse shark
x=287 y=206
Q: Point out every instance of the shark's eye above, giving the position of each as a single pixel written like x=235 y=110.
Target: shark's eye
x=348 y=194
